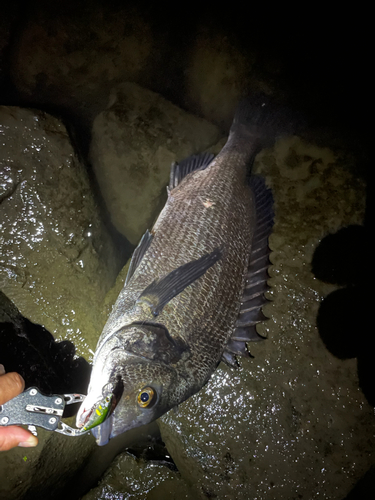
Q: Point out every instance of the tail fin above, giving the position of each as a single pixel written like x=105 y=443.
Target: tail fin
x=260 y=118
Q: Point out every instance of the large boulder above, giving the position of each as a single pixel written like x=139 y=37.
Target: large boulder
x=67 y=57
x=57 y=261
x=129 y=477
x=30 y=350
x=57 y=258
x=51 y=366
x=133 y=145
x=42 y=472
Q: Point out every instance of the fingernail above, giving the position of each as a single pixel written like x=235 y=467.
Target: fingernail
x=30 y=443
x=2 y=369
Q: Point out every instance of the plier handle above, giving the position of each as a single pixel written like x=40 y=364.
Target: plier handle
x=32 y=408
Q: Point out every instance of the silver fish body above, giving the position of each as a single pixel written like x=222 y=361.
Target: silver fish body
x=180 y=310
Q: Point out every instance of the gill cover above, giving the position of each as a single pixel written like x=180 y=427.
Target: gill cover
x=152 y=342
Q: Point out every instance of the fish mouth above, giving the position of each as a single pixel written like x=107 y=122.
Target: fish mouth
x=101 y=432
x=96 y=414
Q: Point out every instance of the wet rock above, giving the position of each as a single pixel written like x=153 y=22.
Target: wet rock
x=292 y=422
x=139 y=440
x=129 y=477
x=57 y=259
x=33 y=473
x=56 y=263
x=133 y=145
x=228 y=67
x=31 y=351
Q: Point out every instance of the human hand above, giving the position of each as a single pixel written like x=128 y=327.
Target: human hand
x=12 y=384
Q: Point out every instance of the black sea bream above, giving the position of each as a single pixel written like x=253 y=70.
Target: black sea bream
x=195 y=286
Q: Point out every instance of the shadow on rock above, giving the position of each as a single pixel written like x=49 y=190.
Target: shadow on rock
x=31 y=350
x=343 y=319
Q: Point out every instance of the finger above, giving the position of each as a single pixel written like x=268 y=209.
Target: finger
x=16 y=436
x=11 y=384
x=2 y=369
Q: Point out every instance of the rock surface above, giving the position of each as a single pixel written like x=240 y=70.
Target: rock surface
x=57 y=259
x=36 y=472
x=134 y=143
x=56 y=263
x=128 y=477
x=73 y=59
x=31 y=351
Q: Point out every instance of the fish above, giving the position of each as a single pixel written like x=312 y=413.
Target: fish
x=195 y=287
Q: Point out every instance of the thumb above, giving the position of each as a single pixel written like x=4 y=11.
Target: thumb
x=16 y=436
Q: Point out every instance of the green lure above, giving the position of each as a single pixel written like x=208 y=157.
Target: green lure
x=99 y=413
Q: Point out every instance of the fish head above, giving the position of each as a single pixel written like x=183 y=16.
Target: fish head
x=133 y=381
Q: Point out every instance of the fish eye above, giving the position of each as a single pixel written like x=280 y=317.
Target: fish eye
x=146 y=396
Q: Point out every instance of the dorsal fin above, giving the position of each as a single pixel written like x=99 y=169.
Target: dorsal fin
x=180 y=170
x=256 y=282
x=138 y=254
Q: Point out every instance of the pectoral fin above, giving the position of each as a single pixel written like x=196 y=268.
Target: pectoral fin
x=163 y=290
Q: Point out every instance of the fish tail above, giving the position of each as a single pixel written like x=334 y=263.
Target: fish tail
x=261 y=120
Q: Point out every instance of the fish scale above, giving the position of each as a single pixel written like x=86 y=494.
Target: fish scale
x=213 y=224
x=176 y=316
x=214 y=230
x=216 y=226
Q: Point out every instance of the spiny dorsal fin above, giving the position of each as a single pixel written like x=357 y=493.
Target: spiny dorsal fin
x=138 y=254
x=163 y=290
x=256 y=283
x=195 y=162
